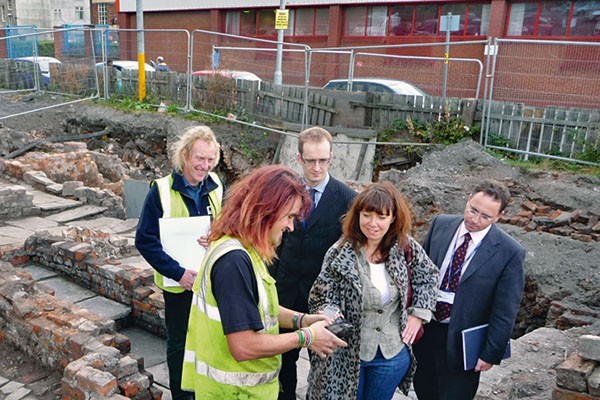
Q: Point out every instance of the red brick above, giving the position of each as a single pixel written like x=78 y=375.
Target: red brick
x=99 y=382
x=155 y=393
x=530 y=206
x=71 y=393
x=581 y=237
x=525 y=214
x=564 y=394
x=573 y=372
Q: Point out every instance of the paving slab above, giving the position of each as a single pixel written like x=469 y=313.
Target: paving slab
x=33 y=223
x=39 y=273
x=66 y=290
x=47 y=202
x=136 y=261
x=148 y=345
x=107 y=224
x=106 y=308
x=160 y=372
x=77 y=213
x=16 y=232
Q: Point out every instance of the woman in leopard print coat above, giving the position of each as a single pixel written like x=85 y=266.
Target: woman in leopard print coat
x=342 y=283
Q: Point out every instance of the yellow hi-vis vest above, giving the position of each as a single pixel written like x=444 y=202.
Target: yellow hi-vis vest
x=209 y=368
x=174 y=207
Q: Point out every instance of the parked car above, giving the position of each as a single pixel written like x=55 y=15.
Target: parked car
x=229 y=73
x=378 y=85
x=120 y=65
x=43 y=64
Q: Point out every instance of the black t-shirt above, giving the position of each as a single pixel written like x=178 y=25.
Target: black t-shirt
x=236 y=291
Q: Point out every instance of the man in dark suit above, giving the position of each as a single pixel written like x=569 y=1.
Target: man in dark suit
x=487 y=289
x=301 y=253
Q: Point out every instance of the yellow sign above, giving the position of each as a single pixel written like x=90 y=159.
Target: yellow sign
x=281 y=19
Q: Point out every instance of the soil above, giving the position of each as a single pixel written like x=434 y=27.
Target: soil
x=18 y=366
x=559 y=267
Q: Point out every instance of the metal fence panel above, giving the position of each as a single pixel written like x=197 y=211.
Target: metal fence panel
x=543 y=99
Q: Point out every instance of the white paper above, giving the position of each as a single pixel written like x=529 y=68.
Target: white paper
x=179 y=238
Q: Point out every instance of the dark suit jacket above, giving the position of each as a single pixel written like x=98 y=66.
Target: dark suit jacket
x=301 y=251
x=489 y=291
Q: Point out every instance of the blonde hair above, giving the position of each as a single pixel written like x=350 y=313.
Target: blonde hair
x=181 y=148
x=313 y=134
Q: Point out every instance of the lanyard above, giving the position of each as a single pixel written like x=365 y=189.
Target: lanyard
x=458 y=270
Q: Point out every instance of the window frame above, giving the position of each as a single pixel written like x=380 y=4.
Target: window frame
x=536 y=31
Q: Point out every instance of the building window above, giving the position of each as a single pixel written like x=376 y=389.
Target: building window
x=248 y=23
x=266 y=23
x=309 y=22
x=2 y=14
x=79 y=12
x=562 y=18
x=102 y=15
x=9 y=5
x=365 y=21
x=57 y=14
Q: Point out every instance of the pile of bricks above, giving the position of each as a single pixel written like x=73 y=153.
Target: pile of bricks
x=15 y=202
x=95 y=358
x=578 y=377
x=581 y=225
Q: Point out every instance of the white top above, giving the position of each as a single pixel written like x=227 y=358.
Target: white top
x=379 y=277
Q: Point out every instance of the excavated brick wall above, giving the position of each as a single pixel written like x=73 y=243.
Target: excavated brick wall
x=107 y=276
x=94 y=357
x=578 y=377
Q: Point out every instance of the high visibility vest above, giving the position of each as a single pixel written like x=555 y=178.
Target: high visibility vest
x=209 y=368
x=174 y=207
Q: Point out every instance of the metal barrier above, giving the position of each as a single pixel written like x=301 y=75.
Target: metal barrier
x=543 y=100
x=68 y=77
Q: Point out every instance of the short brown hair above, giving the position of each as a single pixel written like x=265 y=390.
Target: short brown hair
x=253 y=205
x=385 y=199
x=313 y=134
x=495 y=190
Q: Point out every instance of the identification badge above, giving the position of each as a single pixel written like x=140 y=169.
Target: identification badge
x=446 y=297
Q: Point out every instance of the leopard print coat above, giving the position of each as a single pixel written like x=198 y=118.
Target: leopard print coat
x=336 y=378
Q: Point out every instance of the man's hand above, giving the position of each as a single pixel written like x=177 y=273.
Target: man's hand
x=188 y=278
x=483 y=366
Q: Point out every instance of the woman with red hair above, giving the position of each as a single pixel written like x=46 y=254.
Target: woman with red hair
x=233 y=345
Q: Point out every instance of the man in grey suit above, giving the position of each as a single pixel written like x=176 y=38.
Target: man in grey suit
x=301 y=253
x=487 y=289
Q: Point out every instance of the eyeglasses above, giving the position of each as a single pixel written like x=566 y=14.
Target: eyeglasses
x=474 y=212
x=313 y=163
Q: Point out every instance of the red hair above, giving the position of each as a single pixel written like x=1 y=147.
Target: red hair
x=385 y=199
x=254 y=203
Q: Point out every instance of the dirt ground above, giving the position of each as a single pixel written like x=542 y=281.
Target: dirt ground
x=560 y=267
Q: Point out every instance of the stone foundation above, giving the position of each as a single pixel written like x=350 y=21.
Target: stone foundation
x=578 y=377
x=94 y=357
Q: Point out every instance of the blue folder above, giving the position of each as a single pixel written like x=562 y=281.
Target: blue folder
x=473 y=340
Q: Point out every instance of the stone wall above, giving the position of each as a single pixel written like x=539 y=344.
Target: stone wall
x=15 y=202
x=578 y=377
x=107 y=276
x=94 y=357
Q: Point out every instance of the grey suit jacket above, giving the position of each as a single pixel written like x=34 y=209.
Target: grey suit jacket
x=489 y=291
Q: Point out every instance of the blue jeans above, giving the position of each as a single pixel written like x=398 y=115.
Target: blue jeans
x=380 y=377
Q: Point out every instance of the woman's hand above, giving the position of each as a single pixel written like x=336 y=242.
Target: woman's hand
x=310 y=319
x=325 y=342
x=203 y=241
x=413 y=325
